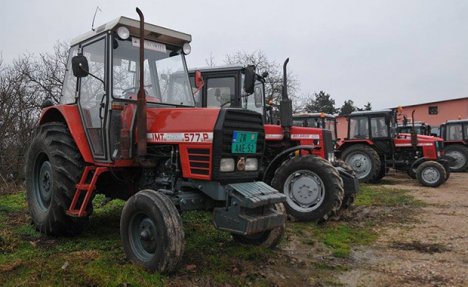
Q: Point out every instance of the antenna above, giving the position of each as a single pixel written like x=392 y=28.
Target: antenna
x=94 y=18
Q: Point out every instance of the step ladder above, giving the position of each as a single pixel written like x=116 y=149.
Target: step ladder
x=86 y=186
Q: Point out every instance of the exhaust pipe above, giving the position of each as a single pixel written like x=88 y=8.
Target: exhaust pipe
x=141 y=99
x=285 y=103
x=414 y=136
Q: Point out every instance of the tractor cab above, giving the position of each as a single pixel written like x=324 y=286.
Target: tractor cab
x=316 y=120
x=372 y=125
x=455 y=131
x=103 y=78
x=455 y=136
x=226 y=87
x=419 y=127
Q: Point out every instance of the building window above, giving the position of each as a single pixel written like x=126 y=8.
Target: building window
x=433 y=110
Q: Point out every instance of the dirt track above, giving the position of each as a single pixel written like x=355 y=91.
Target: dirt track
x=431 y=251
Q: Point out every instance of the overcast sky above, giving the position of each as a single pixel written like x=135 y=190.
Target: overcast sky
x=387 y=52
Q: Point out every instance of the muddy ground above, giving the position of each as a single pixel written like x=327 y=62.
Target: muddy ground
x=428 y=247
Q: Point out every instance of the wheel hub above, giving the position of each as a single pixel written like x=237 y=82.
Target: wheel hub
x=143 y=232
x=431 y=175
x=360 y=163
x=305 y=190
x=43 y=182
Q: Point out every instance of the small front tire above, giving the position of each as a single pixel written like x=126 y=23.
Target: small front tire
x=151 y=231
x=431 y=173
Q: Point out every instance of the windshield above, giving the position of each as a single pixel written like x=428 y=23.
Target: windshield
x=330 y=125
x=358 y=128
x=165 y=71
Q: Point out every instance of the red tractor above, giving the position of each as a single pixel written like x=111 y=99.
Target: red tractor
x=455 y=135
x=298 y=161
x=317 y=120
x=127 y=127
x=373 y=146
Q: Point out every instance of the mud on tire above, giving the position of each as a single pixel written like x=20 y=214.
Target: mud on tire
x=313 y=187
x=53 y=166
x=151 y=231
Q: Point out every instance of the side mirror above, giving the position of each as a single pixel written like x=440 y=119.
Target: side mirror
x=249 y=79
x=199 y=83
x=80 y=66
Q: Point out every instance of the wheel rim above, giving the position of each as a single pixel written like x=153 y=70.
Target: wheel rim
x=430 y=175
x=43 y=182
x=459 y=159
x=143 y=237
x=360 y=163
x=304 y=190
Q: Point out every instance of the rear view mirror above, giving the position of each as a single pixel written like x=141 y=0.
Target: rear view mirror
x=249 y=79
x=80 y=66
x=199 y=83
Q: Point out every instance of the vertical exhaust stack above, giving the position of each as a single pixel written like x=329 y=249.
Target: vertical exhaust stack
x=285 y=103
x=141 y=99
x=414 y=136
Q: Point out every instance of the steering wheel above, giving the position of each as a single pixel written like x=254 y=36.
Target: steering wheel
x=133 y=90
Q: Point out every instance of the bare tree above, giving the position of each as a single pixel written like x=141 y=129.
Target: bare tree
x=274 y=81
x=24 y=84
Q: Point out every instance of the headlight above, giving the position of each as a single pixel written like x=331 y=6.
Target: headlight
x=438 y=154
x=227 y=165
x=123 y=33
x=187 y=49
x=251 y=164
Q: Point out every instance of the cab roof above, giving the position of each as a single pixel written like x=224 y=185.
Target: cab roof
x=152 y=32
x=368 y=113
x=216 y=69
x=457 y=121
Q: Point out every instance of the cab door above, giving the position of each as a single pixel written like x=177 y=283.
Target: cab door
x=93 y=97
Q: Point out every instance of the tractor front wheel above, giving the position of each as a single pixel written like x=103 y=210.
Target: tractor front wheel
x=365 y=162
x=53 y=166
x=267 y=239
x=313 y=187
x=431 y=173
x=151 y=231
x=459 y=154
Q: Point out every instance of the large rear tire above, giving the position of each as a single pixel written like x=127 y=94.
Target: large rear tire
x=313 y=188
x=365 y=162
x=268 y=239
x=151 y=231
x=431 y=173
x=459 y=154
x=348 y=198
x=53 y=167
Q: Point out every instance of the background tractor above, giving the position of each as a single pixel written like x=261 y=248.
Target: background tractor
x=373 y=146
x=455 y=135
x=298 y=161
x=127 y=127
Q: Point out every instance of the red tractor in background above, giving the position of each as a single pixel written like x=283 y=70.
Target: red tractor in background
x=297 y=161
x=317 y=120
x=373 y=146
x=455 y=135
x=127 y=127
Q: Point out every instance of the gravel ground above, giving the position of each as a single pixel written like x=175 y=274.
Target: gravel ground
x=429 y=251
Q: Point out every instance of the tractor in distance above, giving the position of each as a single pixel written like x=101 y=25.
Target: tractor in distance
x=373 y=146
x=420 y=128
x=455 y=135
x=298 y=161
x=127 y=127
x=317 y=120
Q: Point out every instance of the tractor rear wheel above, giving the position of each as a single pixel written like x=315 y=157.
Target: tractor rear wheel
x=53 y=166
x=431 y=173
x=267 y=239
x=459 y=154
x=365 y=162
x=151 y=231
x=313 y=187
x=348 y=198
